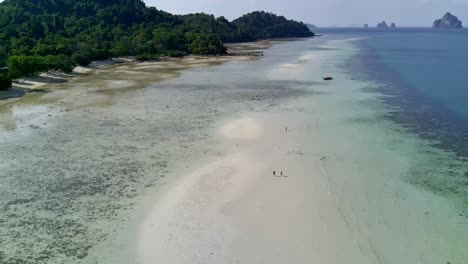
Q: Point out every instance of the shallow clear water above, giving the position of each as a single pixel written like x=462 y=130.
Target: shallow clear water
x=422 y=71
x=418 y=76
x=75 y=164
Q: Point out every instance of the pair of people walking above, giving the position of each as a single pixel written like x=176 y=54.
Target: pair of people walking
x=274 y=173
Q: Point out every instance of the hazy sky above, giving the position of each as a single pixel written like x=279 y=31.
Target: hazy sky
x=327 y=12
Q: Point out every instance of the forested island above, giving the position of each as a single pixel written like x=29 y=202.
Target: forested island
x=42 y=35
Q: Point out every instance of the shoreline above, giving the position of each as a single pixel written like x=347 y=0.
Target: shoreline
x=338 y=201
x=36 y=84
x=94 y=147
x=39 y=83
x=173 y=163
x=97 y=85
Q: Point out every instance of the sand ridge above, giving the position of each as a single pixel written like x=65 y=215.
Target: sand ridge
x=341 y=199
x=207 y=144
x=189 y=223
x=235 y=210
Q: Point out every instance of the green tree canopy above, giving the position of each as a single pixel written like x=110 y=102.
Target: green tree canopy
x=41 y=35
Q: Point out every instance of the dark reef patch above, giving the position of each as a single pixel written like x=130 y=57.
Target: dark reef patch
x=416 y=112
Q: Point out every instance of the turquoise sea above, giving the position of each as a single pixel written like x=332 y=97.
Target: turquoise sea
x=78 y=165
x=423 y=73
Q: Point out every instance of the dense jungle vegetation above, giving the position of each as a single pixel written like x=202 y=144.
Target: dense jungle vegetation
x=41 y=35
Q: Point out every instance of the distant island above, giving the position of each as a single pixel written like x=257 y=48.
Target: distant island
x=448 y=21
x=366 y=26
x=38 y=36
x=383 y=24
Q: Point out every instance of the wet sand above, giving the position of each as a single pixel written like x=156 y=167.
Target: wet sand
x=172 y=163
x=77 y=159
x=50 y=81
x=325 y=207
x=343 y=196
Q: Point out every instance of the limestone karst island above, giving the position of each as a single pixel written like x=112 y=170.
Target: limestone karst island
x=448 y=21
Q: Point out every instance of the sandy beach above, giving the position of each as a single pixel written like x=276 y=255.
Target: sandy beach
x=335 y=198
x=234 y=210
x=324 y=208
x=172 y=162
x=45 y=80
x=74 y=145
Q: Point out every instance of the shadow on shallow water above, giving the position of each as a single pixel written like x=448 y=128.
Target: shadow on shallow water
x=418 y=113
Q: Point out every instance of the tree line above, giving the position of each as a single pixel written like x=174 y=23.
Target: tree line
x=41 y=35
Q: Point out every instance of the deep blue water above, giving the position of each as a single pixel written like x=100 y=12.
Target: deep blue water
x=424 y=73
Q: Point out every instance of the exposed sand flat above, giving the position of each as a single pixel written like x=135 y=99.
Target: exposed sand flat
x=233 y=210
x=77 y=160
x=120 y=84
x=342 y=197
x=323 y=209
x=37 y=82
x=245 y=128
x=81 y=163
x=246 y=48
x=126 y=66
